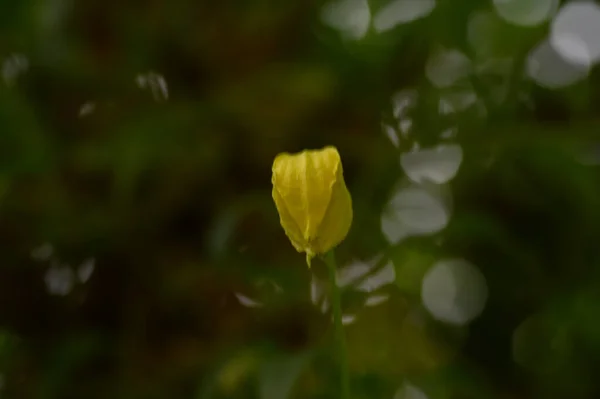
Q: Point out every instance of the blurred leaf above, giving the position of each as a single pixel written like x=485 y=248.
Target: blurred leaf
x=391 y=339
x=278 y=375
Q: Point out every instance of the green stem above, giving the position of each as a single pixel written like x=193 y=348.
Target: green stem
x=340 y=337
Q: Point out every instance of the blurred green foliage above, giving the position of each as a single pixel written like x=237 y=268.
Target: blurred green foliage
x=170 y=195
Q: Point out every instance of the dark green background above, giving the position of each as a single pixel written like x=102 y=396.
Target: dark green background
x=172 y=200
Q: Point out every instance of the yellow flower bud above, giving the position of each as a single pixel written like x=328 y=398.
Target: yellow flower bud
x=314 y=205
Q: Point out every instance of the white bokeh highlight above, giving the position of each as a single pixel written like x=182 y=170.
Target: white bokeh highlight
x=43 y=252
x=413 y=211
x=246 y=301
x=446 y=67
x=265 y=292
x=384 y=276
x=401 y=125
x=353 y=272
x=454 y=291
x=400 y=12
x=375 y=300
x=317 y=290
x=548 y=68
x=457 y=101
x=409 y=391
x=350 y=17
x=482 y=28
x=85 y=270
x=526 y=12
x=365 y=276
x=403 y=101
x=575 y=32
x=571 y=49
x=391 y=134
x=87 y=109
x=590 y=154
x=369 y=277
x=437 y=165
x=154 y=82
x=449 y=133
x=59 y=279
x=13 y=66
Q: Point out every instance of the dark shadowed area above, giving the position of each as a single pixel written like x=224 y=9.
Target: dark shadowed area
x=141 y=254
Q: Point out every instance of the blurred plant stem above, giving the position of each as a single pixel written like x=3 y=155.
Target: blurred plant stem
x=339 y=327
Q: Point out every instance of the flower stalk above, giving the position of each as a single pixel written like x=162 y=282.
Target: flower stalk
x=315 y=211
x=340 y=336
